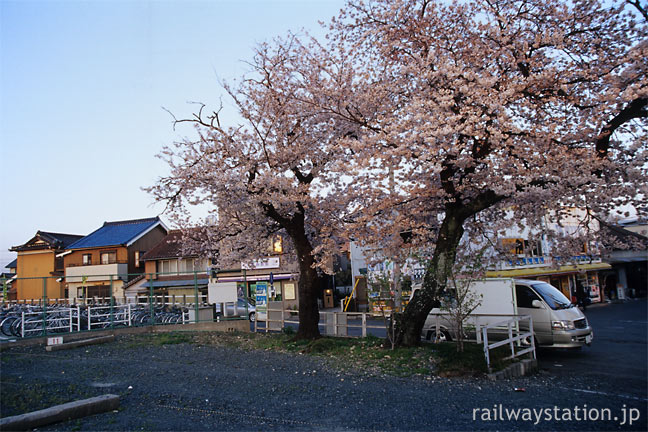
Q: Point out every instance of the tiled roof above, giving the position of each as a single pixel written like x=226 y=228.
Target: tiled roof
x=52 y=241
x=169 y=247
x=116 y=233
x=12 y=264
x=63 y=240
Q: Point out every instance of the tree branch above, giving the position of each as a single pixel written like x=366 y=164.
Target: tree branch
x=635 y=109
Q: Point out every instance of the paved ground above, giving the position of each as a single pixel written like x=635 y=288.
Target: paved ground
x=618 y=357
x=192 y=387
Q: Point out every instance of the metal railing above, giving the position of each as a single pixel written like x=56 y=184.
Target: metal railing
x=333 y=323
x=513 y=340
x=144 y=300
x=35 y=323
x=24 y=321
x=473 y=324
x=109 y=262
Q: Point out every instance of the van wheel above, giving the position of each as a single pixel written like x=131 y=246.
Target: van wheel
x=444 y=336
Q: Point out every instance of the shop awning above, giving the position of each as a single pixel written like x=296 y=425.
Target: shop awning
x=546 y=271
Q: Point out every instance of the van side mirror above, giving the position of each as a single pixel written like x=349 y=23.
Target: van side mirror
x=537 y=304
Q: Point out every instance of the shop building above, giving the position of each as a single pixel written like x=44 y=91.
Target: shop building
x=171 y=273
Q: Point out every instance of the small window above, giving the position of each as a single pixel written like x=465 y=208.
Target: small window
x=87 y=259
x=108 y=257
x=138 y=255
x=277 y=245
x=186 y=265
x=170 y=266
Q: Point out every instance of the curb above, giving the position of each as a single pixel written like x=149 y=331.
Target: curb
x=58 y=413
x=515 y=370
x=83 y=342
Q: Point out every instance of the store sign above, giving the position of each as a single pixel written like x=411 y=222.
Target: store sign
x=263 y=263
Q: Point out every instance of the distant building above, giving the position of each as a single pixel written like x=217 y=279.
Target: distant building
x=39 y=267
x=103 y=261
x=277 y=269
x=629 y=275
x=170 y=272
x=529 y=256
x=7 y=281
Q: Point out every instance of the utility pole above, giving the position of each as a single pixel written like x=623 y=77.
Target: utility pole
x=396 y=283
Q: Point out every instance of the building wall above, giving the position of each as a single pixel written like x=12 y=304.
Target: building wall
x=246 y=280
x=75 y=258
x=78 y=290
x=100 y=283
x=37 y=264
x=143 y=245
x=150 y=267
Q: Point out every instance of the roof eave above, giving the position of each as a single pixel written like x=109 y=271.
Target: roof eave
x=148 y=230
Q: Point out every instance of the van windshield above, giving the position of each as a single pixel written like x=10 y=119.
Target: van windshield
x=554 y=298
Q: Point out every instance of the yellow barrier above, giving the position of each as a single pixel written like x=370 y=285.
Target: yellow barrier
x=348 y=299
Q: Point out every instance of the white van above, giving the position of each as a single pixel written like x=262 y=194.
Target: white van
x=557 y=323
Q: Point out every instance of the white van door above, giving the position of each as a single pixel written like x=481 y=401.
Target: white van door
x=541 y=315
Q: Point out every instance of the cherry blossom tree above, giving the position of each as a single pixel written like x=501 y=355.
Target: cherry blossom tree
x=489 y=107
x=447 y=116
x=273 y=173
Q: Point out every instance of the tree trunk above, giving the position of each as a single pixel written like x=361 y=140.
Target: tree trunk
x=409 y=324
x=307 y=289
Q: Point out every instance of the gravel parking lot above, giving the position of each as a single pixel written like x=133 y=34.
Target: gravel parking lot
x=193 y=387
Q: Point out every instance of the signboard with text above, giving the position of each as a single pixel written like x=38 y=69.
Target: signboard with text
x=261 y=299
x=259 y=264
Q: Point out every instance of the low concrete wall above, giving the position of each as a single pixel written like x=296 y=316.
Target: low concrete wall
x=515 y=370
x=222 y=326
x=83 y=342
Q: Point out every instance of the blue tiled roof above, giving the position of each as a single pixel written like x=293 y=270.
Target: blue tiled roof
x=115 y=233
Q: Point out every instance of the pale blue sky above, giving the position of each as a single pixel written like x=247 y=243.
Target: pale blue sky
x=82 y=86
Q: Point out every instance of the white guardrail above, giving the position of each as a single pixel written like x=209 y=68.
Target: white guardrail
x=513 y=340
x=334 y=323
x=34 y=322
x=473 y=324
x=508 y=331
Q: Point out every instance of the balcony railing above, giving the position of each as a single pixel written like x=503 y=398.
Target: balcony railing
x=98 y=263
x=547 y=260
